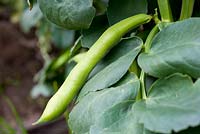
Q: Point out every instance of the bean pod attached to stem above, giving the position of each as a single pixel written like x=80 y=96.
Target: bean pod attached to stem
x=77 y=77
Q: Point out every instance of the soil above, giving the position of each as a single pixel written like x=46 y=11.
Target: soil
x=19 y=61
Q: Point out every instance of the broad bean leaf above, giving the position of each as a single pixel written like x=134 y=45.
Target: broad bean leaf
x=175 y=49
x=89 y=109
x=113 y=72
x=119 y=120
x=172 y=104
x=121 y=49
x=69 y=14
x=90 y=36
x=31 y=18
x=41 y=89
x=62 y=38
x=130 y=8
x=125 y=79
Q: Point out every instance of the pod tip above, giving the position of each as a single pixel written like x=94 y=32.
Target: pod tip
x=38 y=122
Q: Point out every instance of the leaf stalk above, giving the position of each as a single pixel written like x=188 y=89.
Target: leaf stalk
x=187 y=9
x=142 y=93
x=165 y=10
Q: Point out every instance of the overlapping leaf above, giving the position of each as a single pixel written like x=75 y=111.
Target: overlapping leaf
x=119 y=120
x=70 y=14
x=121 y=49
x=62 y=38
x=90 y=36
x=130 y=8
x=31 y=18
x=90 y=108
x=175 y=49
x=113 y=72
x=172 y=104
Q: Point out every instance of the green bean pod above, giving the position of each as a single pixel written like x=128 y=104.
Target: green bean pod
x=77 y=77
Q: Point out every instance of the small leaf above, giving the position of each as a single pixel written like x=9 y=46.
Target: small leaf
x=172 y=104
x=62 y=38
x=125 y=79
x=30 y=18
x=69 y=14
x=41 y=89
x=175 y=49
x=113 y=72
x=130 y=8
x=121 y=49
x=119 y=120
x=90 y=36
x=89 y=109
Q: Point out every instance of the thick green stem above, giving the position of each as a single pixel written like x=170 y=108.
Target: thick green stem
x=142 y=93
x=150 y=37
x=187 y=9
x=165 y=10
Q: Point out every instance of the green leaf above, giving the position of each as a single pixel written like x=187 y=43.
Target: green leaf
x=62 y=38
x=130 y=8
x=175 y=49
x=118 y=120
x=89 y=109
x=125 y=79
x=69 y=14
x=172 y=104
x=90 y=36
x=101 y=6
x=121 y=49
x=113 y=72
x=149 y=81
x=30 y=18
x=41 y=89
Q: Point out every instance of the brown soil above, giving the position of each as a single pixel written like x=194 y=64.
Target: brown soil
x=19 y=61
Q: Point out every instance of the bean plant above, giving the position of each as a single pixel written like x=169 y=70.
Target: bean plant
x=140 y=71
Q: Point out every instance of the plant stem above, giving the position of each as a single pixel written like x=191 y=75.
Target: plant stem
x=147 y=45
x=143 y=90
x=150 y=37
x=165 y=10
x=187 y=9
x=155 y=17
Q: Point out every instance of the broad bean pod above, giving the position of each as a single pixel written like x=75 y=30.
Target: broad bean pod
x=77 y=77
